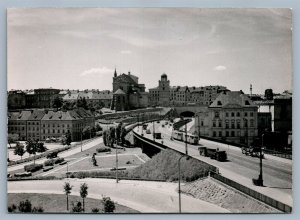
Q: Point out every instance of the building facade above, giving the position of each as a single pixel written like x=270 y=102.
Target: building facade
x=232 y=117
x=128 y=94
x=43 y=124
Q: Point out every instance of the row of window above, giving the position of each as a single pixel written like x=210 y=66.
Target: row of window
x=229 y=134
x=234 y=124
x=234 y=114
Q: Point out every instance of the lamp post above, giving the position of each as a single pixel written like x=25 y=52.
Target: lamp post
x=260 y=181
x=153 y=131
x=81 y=141
x=246 y=126
x=186 y=149
x=179 y=176
x=116 y=164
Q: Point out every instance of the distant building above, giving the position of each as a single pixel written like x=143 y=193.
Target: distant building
x=17 y=123
x=103 y=98
x=161 y=94
x=16 y=99
x=166 y=95
x=232 y=117
x=128 y=94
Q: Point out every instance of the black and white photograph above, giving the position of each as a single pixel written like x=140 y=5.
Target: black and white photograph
x=149 y=110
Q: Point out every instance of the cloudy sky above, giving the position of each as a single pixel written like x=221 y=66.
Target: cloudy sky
x=79 y=48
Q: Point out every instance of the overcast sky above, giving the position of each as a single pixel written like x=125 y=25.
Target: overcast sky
x=79 y=48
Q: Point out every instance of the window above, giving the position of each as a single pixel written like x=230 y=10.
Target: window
x=251 y=114
x=238 y=114
x=232 y=134
x=217 y=114
x=246 y=114
x=214 y=134
x=251 y=123
x=219 y=103
x=220 y=124
x=227 y=133
x=214 y=123
x=220 y=133
x=238 y=124
x=232 y=124
x=245 y=123
x=232 y=114
x=227 y=124
x=53 y=131
x=202 y=123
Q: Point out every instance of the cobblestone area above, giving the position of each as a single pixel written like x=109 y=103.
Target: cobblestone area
x=215 y=192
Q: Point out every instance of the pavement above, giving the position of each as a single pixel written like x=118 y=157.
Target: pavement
x=237 y=173
x=72 y=151
x=143 y=196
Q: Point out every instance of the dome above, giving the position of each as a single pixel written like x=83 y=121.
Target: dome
x=164 y=75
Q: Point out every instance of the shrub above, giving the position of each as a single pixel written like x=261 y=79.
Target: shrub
x=12 y=208
x=59 y=160
x=77 y=207
x=24 y=174
x=49 y=162
x=108 y=205
x=33 y=167
x=37 y=209
x=95 y=210
x=103 y=149
x=47 y=169
x=25 y=206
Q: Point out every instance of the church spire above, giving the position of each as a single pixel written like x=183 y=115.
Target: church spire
x=115 y=74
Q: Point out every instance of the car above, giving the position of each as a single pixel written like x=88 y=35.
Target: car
x=148 y=131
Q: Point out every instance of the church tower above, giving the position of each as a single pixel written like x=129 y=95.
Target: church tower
x=164 y=90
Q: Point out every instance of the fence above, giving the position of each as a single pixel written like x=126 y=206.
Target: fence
x=256 y=195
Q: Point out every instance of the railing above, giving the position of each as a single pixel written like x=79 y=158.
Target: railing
x=254 y=194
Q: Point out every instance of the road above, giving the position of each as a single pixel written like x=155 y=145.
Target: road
x=277 y=172
x=144 y=196
x=74 y=150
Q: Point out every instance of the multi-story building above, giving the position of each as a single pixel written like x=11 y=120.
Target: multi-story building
x=232 y=116
x=16 y=99
x=128 y=94
x=161 y=94
x=43 y=124
x=17 y=123
x=34 y=124
x=166 y=95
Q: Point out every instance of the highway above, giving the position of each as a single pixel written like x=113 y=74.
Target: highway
x=277 y=172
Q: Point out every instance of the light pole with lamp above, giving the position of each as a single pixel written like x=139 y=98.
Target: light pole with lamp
x=179 y=177
x=153 y=131
x=260 y=181
x=81 y=142
x=186 y=148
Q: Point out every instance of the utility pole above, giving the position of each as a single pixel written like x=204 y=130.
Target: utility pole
x=186 y=149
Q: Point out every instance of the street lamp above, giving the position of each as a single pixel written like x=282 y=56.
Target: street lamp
x=186 y=149
x=153 y=131
x=179 y=176
x=260 y=177
x=116 y=164
x=246 y=126
x=81 y=141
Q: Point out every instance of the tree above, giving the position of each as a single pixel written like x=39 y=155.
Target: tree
x=19 y=150
x=93 y=132
x=269 y=94
x=68 y=138
x=108 y=205
x=123 y=134
x=81 y=103
x=40 y=148
x=118 y=132
x=57 y=102
x=86 y=132
x=67 y=190
x=83 y=193
x=104 y=137
x=112 y=136
x=12 y=138
x=31 y=148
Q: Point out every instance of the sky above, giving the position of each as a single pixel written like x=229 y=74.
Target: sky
x=79 y=48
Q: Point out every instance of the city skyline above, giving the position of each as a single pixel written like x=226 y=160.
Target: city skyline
x=214 y=46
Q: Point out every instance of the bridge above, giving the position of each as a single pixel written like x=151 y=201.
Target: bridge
x=237 y=172
x=189 y=110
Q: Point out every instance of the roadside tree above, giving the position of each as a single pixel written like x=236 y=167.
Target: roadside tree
x=67 y=190
x=83 y=193
x=19 y=150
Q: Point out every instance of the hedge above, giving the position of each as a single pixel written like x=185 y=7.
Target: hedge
x=33 y=167
x=103 y=149
x=51 y=162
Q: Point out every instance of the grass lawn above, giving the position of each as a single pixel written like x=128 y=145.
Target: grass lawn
x=55 y=203
x=105 y=161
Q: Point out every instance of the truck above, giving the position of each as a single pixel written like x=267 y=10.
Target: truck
x=215 y=154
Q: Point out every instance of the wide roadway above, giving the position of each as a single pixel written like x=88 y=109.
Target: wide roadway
x=277 y=172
